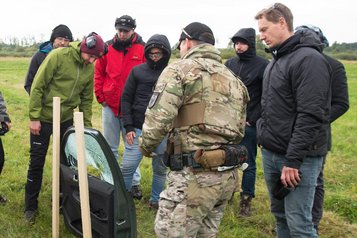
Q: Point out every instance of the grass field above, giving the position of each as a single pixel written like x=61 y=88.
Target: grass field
x=340 y=216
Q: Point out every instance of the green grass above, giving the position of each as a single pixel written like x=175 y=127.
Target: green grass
x=340 y=216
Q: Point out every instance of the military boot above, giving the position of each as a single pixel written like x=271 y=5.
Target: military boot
x=136 y=192
x=3 y=199
x=244 y=206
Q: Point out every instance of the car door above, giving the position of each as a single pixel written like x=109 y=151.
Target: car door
x=112 y=209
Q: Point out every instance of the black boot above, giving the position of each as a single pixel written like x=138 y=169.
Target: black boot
x=244 y=206
x=136 y=192
x=3 y=200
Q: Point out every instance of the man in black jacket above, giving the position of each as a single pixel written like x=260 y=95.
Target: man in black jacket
x=293 y=127
x=134 y=101
x=60 y=37
x=250 y=68
x=339 y=105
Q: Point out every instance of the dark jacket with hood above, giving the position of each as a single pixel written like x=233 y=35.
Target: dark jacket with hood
x=112 y=70
x=339 y=92
x=296 y=100
x=141 y=82
x=250 y=68
x=36 y=61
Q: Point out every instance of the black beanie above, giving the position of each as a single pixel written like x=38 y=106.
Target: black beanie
x=61 y=31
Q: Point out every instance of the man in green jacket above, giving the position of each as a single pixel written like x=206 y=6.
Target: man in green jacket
x=66 y=73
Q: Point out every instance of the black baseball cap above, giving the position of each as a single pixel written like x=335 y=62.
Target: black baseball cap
x=125 y=22
x=197 y=31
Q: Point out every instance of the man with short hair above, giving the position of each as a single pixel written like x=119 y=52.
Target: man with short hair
x=250 y=69
x=293 y=127
x=202 y=105
x=66 y=73
x=125 y=51
x=60 y=37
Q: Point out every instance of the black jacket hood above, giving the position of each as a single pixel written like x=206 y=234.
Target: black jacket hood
x=301 y=38
x=248 y=36
x=161 y=42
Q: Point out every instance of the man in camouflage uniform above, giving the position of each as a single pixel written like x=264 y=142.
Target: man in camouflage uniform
x=203 y=106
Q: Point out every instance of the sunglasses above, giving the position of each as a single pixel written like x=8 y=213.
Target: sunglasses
x=185 y=32
x=155 y=54
x=276 y=6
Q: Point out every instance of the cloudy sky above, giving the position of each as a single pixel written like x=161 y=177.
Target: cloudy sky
x=37 y=18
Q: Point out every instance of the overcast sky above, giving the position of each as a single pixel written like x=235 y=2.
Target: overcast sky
x=24 y=18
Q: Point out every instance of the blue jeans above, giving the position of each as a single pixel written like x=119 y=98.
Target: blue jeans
x=293 y=213
x=131 y=160
x=112 y=127
x=249 y=174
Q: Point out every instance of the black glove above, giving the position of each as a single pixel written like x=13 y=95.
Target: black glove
x=236 y=155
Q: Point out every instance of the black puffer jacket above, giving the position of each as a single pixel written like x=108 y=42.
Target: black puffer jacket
x=36 y=61
x=296 y=100
x=250 y=68
x=339 y=90
x=141 y=82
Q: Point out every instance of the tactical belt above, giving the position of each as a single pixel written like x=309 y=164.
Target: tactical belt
x=187 y=160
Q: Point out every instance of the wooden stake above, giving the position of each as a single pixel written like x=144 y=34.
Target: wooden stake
x=82 y=175
x=56 y=165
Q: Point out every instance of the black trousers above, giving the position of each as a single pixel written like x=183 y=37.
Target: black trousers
x=317 y=208
x=2 y=156
x=38 y=150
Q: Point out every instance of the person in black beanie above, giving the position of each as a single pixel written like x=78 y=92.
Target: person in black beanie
x=250 y=68
x=60 y=37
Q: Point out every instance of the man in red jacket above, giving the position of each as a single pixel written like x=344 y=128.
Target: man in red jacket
x=125 y=51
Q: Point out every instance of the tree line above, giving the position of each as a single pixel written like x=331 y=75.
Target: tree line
x=27 y=47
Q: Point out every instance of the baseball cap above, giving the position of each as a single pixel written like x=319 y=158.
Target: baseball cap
x=125 y=22
x=197 y=31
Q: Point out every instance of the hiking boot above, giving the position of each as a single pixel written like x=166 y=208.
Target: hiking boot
x=153 y=205
x=3 y=200
x=244 y=206
x=30 y=216
x=136 y=192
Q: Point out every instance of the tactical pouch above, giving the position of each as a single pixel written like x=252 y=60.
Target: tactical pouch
x=210 y=159
x=173 y=155
x=235 y=155
x=175 y=162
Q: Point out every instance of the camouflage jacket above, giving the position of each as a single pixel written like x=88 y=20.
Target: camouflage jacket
x=198 y=77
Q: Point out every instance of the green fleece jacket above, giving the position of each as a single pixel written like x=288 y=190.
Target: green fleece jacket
x=62 y=74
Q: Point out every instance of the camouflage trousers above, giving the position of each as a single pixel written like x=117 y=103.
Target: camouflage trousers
x=193 y=203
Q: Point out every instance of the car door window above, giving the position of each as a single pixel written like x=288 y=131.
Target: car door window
x=97 y=164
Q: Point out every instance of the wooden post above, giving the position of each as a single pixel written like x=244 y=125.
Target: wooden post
x=82 y=175
x=56 y=165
